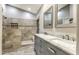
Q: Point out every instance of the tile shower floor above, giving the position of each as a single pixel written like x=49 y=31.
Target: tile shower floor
x=26 y=49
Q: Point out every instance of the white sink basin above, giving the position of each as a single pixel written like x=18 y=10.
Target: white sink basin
x=65 y=45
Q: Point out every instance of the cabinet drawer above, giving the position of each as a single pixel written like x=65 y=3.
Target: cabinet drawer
x=45 y=51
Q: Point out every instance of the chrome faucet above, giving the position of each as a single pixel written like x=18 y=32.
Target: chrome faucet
x=67 y=37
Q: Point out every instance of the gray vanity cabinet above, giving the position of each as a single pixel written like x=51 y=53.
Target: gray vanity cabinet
x=42 y=47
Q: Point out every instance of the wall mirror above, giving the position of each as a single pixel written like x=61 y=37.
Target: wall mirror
x=48 y=18
x=65 y=15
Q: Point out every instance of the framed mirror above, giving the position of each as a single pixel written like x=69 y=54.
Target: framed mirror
x=48 y=18
x=65 y=15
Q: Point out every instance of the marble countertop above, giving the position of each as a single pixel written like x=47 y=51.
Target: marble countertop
x=44 y=36
x=65 y=45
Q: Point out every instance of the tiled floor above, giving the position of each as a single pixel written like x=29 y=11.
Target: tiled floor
x=27 y=49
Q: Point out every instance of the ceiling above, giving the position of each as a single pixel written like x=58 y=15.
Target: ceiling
x=34 y=8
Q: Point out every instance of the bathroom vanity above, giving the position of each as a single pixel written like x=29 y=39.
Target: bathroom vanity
x=51 y=45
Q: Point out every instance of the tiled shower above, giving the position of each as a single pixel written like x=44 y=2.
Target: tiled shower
x=16 y=31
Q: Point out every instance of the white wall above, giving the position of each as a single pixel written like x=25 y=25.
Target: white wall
x=13 y=12
x=70 y=30
x=61 y=6
x=0 y=29
x=77 y=47
x=15 y=15
x=41 y=17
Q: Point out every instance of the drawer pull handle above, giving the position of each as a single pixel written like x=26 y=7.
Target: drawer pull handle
x=52 y=50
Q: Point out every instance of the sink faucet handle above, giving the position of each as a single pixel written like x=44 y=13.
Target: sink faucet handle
x=63 y=37
x=72 y=38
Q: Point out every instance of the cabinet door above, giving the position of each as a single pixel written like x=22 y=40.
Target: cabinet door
x=37 y=45
x=45 y=50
